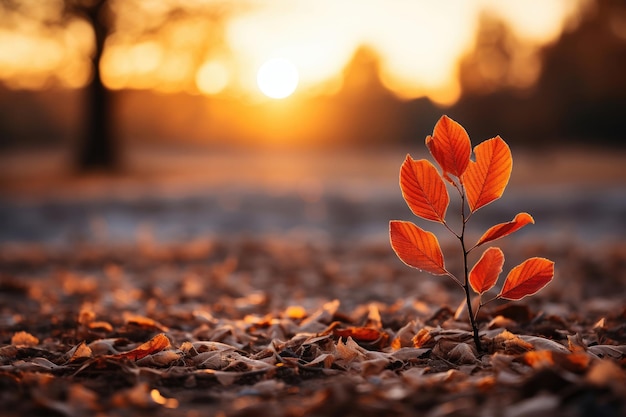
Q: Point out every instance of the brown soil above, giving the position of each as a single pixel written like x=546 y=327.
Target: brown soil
x=274 y=327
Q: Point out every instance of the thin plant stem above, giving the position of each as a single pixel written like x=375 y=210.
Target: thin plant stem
x=466 y=286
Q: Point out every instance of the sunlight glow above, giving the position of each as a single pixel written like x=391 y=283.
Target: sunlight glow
x=277 y=78
x=207 y=47
x=212 y=77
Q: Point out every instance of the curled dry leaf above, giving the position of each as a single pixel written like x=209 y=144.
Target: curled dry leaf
x=504 y=229
x=527 y=278
x=416 y=247
x=423 y=338
x=349 y=351
x=450 y=146
x=486 y=271
x=541 y=343
x=162 y=358
x=79 y=351
x=486 y=179
x=462 y=353
x=404 y=336
x=423 y=189
x=510 y=343
x=611 y=351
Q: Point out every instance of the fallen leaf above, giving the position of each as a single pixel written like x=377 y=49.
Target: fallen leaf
x=422 y=338
x=541 y=343
x=79 y=351
x=364 y=334
x=511 y=343
x=462 y=353
x=162 y=358
x=611 y=351
x=145 y=322
x=156 y=344
x=539 y=358
x=24 y=339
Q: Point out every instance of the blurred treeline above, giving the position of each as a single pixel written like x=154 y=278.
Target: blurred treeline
x=579 y=97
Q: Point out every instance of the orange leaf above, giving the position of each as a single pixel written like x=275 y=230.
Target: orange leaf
x=363 y=334
x=504 y=229
x=416 y=247
x=421 y=338
x=527 y=278
x=485 y=273
x=154 y=345
x=450 y=146
x=423 y=189
x=486 y=179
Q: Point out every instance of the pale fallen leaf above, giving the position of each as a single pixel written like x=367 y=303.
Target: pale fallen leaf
x=462 y=353
x=162 y=358
x=373 y=366
x=541 y=343
x=611 y=351
x=79 y=351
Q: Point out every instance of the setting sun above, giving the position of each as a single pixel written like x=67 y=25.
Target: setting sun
x=419 y=45
x=277 y=78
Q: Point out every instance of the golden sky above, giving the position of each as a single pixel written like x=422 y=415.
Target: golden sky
x=217 y=47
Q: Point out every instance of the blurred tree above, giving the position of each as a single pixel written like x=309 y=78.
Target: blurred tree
x=97 y=147
x=573 y=89
x=583 y=77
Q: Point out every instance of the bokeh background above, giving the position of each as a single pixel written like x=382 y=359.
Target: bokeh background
x=125 y=121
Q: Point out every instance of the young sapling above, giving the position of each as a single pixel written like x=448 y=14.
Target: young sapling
x=478 y=182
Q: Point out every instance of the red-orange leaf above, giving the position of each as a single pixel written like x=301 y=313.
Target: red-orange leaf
x=154 y=345
x=504 y=229
x=416 y=247
x=485 y=273
x=364 y=334
x=450 y=146
x=423 y=189
x=527 y=278
x=486 y=179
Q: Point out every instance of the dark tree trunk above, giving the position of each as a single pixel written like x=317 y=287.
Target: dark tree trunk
x=97 y=148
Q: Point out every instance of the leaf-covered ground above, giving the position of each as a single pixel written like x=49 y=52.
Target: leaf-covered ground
x=280 y=328
x=266 y=285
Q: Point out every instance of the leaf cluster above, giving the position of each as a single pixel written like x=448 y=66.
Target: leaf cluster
x=478 y=181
